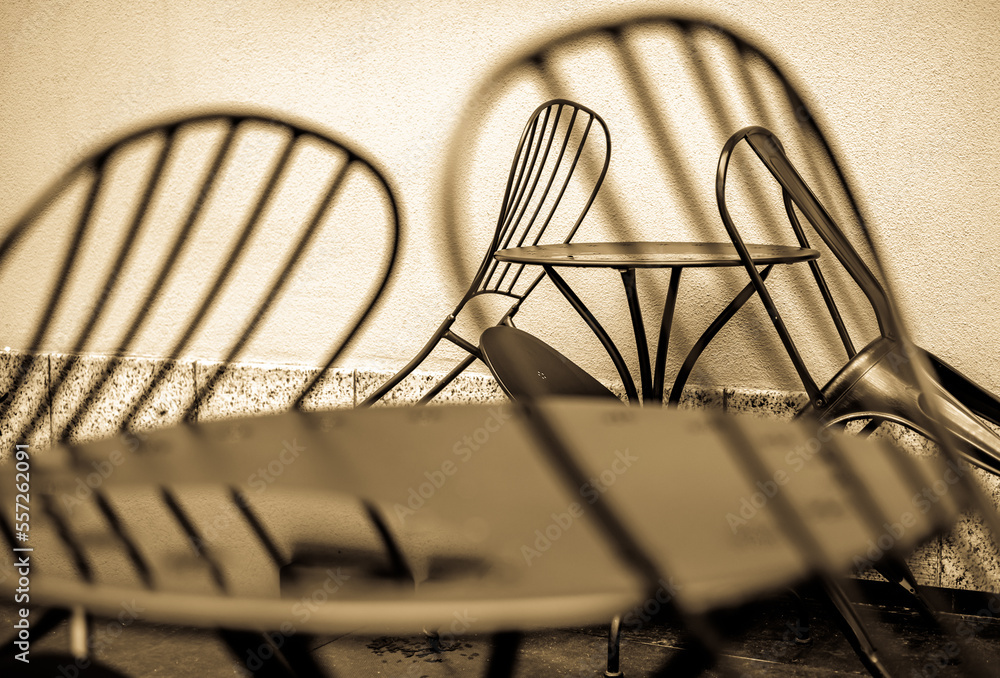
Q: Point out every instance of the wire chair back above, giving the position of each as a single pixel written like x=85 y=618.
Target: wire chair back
x=546 y=198
x=172 y=243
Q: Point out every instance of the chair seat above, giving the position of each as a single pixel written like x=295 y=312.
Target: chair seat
x=527 y=367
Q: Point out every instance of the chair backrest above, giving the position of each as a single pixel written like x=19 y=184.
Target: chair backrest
x=201 y=231
x=797 y=194
x=672 y=89
x=559 y=164
x=547 y=156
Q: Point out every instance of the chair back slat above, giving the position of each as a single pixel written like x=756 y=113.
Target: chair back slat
x=817 y=272
x=769 y=149
x=528 y=227
x=512 y=220
x=516 y=183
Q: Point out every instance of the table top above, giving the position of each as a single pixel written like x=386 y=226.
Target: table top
x=651 y=254
x=494 y=531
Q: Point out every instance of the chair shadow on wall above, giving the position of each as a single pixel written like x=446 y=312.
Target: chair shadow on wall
x=212 y=234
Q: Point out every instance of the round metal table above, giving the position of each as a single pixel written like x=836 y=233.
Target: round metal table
x=507 y=518
x=626 y=257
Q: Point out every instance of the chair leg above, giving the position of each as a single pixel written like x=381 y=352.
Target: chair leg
x=614 y=649
x=296 y=651
x=803 y=627
x=447 y=379
x=855 y=631
x=898 y=572
x=410 y=366
x=256 y=653
x=504 y=655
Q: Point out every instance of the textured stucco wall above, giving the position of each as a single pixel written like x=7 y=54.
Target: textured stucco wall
x=908 y=92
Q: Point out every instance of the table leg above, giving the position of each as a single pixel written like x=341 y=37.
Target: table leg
x=663 y=343
x=588 y=317
x=639 y=329
x=503 y=658
x=699 y=346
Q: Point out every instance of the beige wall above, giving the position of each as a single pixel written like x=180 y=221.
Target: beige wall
x=908 y=92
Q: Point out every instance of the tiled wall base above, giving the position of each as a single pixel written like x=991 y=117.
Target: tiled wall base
x=965 y=558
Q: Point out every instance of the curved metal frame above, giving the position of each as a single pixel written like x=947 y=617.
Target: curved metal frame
x=94 y=165
x=531 y=198
x=867 y=386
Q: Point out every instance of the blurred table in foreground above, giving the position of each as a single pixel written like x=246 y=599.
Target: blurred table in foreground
x=494 y=525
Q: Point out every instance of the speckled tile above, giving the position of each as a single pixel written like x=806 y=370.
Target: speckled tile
x=969 y=557
x=907 y=439
x=964 y=559
x=29 y=398
x=618 y=388
x=468 y=388
x=406 y=392
x=764 y=403
x=246 y=389
x=334 y=390
x=695 y=397
x=126 y=383
x=924 y=563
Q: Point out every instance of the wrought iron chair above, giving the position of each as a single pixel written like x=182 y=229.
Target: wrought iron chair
x=887 y=380
x=879 y=382
x=233 y=206
x=559 y=138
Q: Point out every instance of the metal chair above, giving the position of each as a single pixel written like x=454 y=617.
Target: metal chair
x=174 y=225
x=559 y=137
x=887 y=380
x=879 y=382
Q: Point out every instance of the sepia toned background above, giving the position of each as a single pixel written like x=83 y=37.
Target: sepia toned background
x=906 y=91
